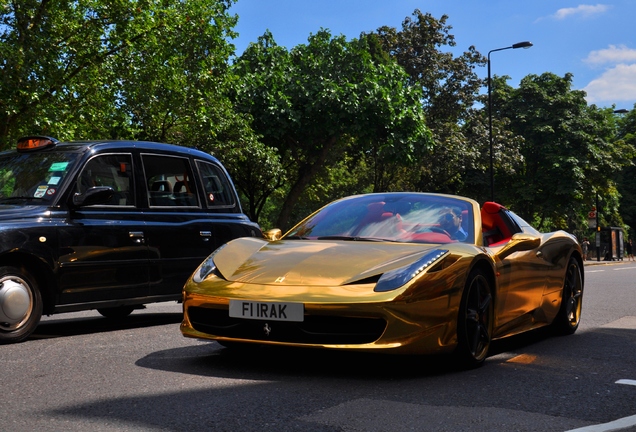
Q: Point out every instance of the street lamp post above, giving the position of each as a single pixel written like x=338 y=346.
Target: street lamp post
x=492 y=173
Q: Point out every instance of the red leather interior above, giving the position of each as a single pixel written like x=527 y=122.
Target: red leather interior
x=495 y=230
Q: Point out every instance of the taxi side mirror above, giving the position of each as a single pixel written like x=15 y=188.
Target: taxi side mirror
x=92 y=196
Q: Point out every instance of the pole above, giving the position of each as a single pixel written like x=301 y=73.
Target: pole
x=597 y=237
x=492 y=172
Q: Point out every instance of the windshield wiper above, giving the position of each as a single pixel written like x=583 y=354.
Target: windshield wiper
x=338 y=237
x=354 y=238
x=20 y=198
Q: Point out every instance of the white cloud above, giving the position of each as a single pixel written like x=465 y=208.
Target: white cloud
x=614 y=54
x=614 y=85
x=581 y=10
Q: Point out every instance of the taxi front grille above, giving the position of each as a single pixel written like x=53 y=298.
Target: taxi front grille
x=315 y=329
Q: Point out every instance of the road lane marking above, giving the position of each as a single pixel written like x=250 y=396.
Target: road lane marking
x=369 y=415
x=594 y=271
x=621 y=423
x=625 y=323
x=624 y=268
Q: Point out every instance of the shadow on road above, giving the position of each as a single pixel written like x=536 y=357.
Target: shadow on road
x=277 y=389
x=74 y=326
x=256 y=361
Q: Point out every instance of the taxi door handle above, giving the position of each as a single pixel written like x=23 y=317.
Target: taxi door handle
x=207 y=235
x=137 y=236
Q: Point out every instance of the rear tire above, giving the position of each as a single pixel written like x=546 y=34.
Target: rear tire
x=475 y=321
x=569 y=316
x=20 y=304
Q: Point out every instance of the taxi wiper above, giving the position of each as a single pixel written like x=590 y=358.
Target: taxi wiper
x=20 y=198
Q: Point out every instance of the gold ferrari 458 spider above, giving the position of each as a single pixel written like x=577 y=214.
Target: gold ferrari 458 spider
x=414 y=273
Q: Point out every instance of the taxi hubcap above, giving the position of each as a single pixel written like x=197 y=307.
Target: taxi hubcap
x=15 y=301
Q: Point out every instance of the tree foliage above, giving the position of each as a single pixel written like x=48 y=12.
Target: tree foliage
x=324 y=100
x=449 y=84
x=114 y=69
x=392 y=110
x=255 y=167
x=626 y=127
x=569 y=151
x=450 y=87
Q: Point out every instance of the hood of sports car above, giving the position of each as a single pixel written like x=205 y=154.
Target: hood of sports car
x=315 y=263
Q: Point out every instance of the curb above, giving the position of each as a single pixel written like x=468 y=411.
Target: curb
x=594 y=262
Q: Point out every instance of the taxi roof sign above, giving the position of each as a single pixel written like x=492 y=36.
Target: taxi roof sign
x=35 y=142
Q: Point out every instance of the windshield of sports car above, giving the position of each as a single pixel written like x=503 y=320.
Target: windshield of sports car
x=399 y=217
x=28 y=178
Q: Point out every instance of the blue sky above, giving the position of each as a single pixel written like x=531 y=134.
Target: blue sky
x=596 y=42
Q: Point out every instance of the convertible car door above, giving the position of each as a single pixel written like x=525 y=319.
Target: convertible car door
x=522 y=274
x=522 y=282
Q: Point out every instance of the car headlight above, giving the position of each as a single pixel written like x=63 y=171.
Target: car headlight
x=396 y=278
x=206 y=268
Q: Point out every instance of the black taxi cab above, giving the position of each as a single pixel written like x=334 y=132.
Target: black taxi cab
x=106 y=225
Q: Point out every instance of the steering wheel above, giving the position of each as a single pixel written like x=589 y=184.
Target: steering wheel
x=439 y=230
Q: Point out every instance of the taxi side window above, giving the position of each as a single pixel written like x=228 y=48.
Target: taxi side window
x=218 y=192
x=113 y=170
x=169 y=181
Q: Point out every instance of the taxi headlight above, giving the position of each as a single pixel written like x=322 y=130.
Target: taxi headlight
x=396 y=278
x=206 y=268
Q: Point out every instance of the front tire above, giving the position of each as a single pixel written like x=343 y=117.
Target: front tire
x=569 y=316
x=475 y=321
x=20 y=304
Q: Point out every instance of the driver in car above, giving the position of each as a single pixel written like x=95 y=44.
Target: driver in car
x=450 y=221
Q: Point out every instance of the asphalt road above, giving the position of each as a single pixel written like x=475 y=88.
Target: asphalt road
x=82 y=372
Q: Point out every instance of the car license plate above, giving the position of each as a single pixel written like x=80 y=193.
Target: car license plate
x=274 y=311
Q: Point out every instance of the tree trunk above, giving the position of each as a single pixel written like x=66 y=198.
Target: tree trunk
x=306 y=174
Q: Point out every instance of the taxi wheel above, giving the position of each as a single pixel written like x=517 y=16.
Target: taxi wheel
x=569 y=316
x=20 y=304
x=116 y=312
x=475 y=321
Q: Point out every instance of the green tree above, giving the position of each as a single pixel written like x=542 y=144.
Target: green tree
x=449 y=84
x=255 y=168
x=450 y=88
x=569 y=152
x=324 y=100
x=626 y=125
x=119 y=69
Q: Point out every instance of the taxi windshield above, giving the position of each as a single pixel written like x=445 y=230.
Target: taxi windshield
x=33 y=177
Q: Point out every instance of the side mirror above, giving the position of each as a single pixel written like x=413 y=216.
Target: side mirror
x=93 y=196
x=519 y=242
x=273 y=234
